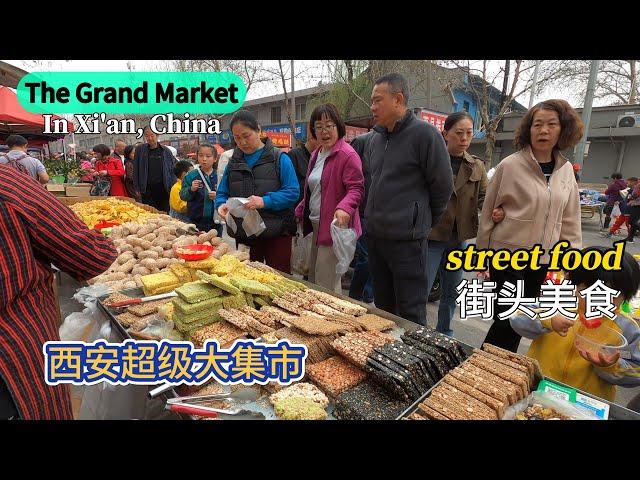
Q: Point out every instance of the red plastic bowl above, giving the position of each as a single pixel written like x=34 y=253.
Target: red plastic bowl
x=191 y=253
x=104 y=224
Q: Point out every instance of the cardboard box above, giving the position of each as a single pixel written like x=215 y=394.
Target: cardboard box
x=78 y=190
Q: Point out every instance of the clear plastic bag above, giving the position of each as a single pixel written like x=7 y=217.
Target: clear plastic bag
x=344 y=246
x=548 y=400
x=300 y=252
x=91 y=293
x=79 y=326
x=159 y=328
x=252 y=222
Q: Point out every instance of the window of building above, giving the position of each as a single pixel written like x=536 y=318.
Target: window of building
x=301 y=111
x=465 y=106
x=276 y=114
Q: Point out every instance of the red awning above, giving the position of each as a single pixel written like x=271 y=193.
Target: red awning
x=14 y=119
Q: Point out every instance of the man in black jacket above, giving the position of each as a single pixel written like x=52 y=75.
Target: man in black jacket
x=300 y=157
x=153 y=172
x=361 y=287
x=411 y=182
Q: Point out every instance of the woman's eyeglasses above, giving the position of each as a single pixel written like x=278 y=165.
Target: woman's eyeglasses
x=324 y=128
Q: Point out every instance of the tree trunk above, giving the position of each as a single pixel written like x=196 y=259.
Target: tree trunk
x=490 y=146
x=633 y=91
x=505 y=83
x=351 y=99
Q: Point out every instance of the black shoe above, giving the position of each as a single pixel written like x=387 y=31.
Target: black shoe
x=629 y=240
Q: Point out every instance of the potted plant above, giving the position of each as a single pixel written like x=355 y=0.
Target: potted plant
x=60 y=170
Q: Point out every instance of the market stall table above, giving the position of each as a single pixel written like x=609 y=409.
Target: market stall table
x=262 y=405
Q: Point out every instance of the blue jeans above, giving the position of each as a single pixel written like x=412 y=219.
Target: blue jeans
x=362 y=282
x=436 y=260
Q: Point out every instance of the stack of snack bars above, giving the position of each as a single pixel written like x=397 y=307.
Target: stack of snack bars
x=482 y=387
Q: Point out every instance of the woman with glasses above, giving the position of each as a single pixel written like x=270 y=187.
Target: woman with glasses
x=265 y=176
x=333 y=189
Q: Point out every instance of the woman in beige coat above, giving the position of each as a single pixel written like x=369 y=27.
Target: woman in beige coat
x=536 y=189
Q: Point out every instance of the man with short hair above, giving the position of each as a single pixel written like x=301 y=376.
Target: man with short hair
x=118 y=150
x=411 y=183
x=18 y=158
x=153 y=173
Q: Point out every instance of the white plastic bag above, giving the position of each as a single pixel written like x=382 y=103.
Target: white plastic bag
x=344 y=246
x=300 y=252
x=616 y=211
x=75 y=327
x=252 y=222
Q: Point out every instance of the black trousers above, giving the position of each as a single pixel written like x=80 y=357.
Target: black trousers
x=501 y=334
x=607 y=215
x=205 y=226
x=156 y=196
x=634 y=213
x=8 y=410
x=399 y=271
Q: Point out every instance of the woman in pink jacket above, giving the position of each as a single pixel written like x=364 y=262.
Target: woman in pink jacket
x=333 y=188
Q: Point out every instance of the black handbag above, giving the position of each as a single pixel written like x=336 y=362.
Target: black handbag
x=101 y=187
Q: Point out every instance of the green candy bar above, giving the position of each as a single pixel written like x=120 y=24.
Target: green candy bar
x=190 y=308
x=249 y=299
x=195 y=292
x=262 y=301
x=219 y=282
x=299 y=408
x=195 y=317
x=275 y=291
x=250 y=286
x=188 y=327
x=234 y=301
x=294 y=284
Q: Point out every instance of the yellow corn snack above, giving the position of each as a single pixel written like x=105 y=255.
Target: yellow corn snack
x=165 y=281
x=110 y=210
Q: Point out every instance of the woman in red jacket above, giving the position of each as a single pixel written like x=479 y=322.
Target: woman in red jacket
x=112 y=167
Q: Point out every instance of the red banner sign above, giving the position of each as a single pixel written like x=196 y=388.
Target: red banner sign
x=353 y=132
x=279 y=139
x=434 y=118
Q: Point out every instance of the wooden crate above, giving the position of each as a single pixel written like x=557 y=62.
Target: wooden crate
x=78 y=190
x=55 y=188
